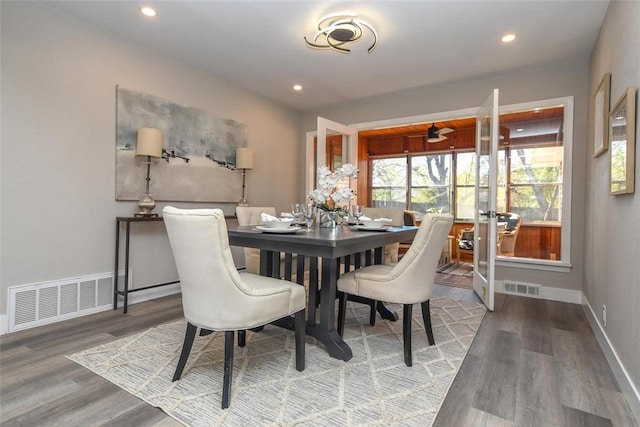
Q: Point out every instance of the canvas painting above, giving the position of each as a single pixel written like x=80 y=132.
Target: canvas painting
x=199 y=150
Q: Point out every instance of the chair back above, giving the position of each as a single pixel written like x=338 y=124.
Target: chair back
x=416 y=271
x=213 y=294
x=251 y=215
x=395 y=215
x=508 y=241
x=409 y=218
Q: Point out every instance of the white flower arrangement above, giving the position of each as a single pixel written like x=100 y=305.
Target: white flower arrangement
x=329 y=192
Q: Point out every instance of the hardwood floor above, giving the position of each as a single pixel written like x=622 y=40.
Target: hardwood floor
x=533 y=362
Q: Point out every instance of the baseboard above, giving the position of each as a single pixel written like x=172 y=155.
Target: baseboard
x=152 y=293
x=546 y=292
x=619 y=372
x=3 y=324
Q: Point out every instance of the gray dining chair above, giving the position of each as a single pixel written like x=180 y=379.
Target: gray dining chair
x=408 y=282
x=216 y=297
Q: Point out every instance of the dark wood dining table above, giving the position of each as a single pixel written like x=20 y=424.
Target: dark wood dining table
x=339 y=249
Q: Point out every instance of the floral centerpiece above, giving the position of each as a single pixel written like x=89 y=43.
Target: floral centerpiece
x=331 y=190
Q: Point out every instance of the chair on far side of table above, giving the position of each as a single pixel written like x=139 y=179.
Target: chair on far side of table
x=408 y=282
x=397 y=220
x=216 y=297
x=251 y=215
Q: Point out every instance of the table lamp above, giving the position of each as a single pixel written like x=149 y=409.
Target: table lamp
x=149 y=144
x=244 y=161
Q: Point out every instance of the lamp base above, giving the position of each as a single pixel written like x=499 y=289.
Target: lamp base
x=243 y=202
x=146 y=205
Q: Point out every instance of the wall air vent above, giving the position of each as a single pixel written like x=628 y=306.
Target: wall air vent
x=49 y=302
x=521 y=288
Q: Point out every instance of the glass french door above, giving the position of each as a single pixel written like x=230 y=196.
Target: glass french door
x=485 y=235
x=316 y=154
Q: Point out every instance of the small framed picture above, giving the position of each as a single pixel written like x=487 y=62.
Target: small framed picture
x=601 y=116
x=622 y=133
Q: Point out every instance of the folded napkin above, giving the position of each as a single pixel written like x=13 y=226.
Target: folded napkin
x=265 y=217
x=366 y=218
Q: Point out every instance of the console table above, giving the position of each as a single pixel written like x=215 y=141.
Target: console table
x=127 y=220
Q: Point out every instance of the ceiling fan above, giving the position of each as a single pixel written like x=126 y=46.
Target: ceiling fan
x=435 y=134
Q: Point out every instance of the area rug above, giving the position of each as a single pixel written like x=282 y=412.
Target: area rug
x=458 y=269
x=374 y=388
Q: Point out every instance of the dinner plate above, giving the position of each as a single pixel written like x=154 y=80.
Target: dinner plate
x=291 y=229
x=365 y=228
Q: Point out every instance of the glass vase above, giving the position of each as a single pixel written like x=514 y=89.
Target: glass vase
x=328 y=219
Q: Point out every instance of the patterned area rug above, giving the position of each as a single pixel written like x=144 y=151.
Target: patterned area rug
x=458 y=269
x=373 y=388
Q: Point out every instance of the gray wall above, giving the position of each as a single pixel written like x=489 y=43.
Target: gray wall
x=58 y=146
x=612 y=229
x=530 y=84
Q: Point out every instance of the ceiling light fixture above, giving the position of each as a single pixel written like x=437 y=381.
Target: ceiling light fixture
x=339 y=29
x=148 y=11
x=507 y=38
x=297 y=87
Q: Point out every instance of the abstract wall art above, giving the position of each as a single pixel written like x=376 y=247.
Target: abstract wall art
x=198 y=162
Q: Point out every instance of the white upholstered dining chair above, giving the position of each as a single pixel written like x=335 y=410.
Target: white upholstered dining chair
x=216 y=297
x=408 y=282
x=397 y=220
x=251 y=215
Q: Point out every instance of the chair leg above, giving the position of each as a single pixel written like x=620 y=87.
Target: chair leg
x=189 y=335
x=342 y=311
x=228 y=368
x=426 y=317
x=242 y=338
x=372 y=312
x=300 y=334
x=406 y=332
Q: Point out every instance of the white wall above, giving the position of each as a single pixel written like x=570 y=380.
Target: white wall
x=57 y=177
x=548 y=81
x=612 y=231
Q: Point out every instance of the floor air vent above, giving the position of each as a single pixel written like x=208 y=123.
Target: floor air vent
x=49 y=302
x=521 y=288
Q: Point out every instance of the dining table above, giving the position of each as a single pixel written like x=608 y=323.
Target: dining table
x=326 y=252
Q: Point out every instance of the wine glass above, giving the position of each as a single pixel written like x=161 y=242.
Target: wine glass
x=356 y=211
x=297 y=210
x=309 y=214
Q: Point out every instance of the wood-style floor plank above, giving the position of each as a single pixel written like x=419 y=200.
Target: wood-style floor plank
x=562 y=376
x=532 y=363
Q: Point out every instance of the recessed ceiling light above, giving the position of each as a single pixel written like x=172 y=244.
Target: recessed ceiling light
x=148 y=11
x=297 y=87
x=507 y=38
x=519 y=130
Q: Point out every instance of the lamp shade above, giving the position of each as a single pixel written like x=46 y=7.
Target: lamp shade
x=149 y=142
x=244 y=158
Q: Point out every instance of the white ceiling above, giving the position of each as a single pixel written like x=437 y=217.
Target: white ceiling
x=259 y=44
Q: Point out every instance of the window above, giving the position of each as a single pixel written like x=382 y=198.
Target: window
x=389 y=182
x=533 y=174
x=430 y=183
x=465 y=185
x=536 y=183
